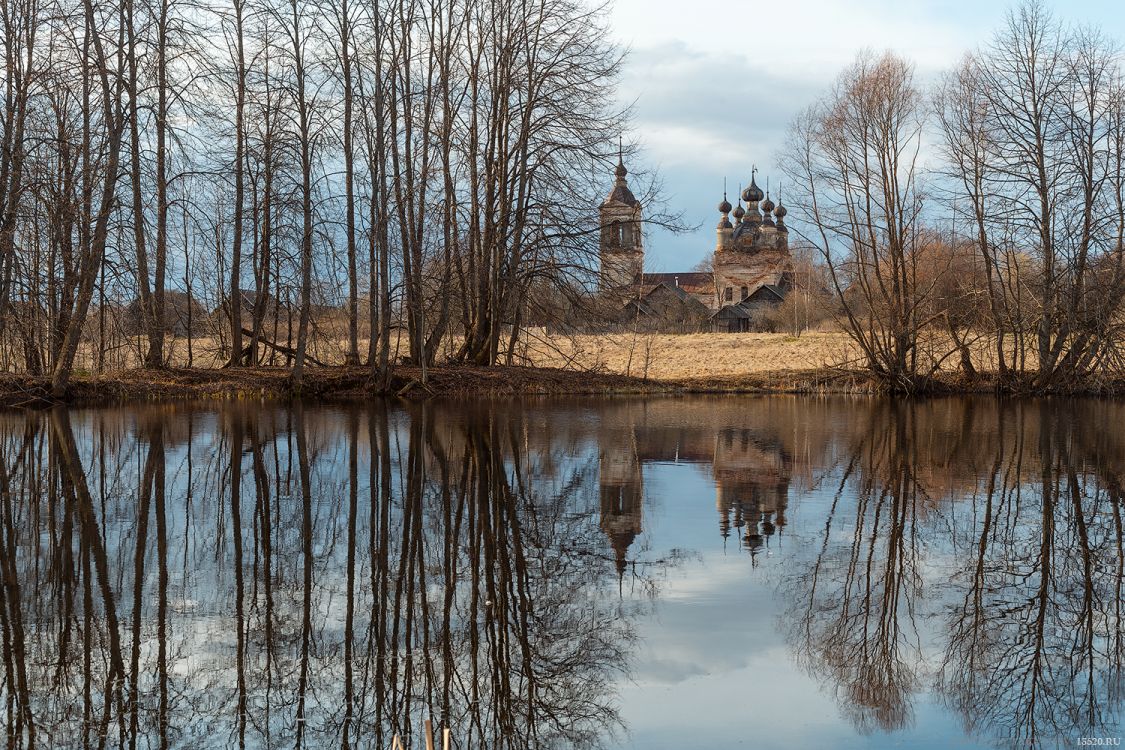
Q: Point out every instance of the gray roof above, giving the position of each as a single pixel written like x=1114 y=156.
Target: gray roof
x=621 y=194
x=734 y=310
x=773 y=289
x=749 y=306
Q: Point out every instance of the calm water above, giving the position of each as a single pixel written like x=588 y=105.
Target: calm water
x=651 y=574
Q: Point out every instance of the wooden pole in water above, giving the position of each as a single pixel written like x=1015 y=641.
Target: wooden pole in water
x=429 y=735
x=446 y=739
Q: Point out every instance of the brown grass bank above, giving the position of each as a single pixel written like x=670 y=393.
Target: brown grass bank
x=355 y=383
x=319 y=384
x=341 y=384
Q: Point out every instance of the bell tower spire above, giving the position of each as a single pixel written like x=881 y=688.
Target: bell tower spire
x=621 y=244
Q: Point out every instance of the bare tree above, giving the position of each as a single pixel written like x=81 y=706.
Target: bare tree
x=93 y=242
x=853 y=158
x=1032 y=128
x=472 y=184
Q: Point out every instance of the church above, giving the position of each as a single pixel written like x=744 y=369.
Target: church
x=751 y=266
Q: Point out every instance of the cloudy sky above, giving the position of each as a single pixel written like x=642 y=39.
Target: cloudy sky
x=715 y=83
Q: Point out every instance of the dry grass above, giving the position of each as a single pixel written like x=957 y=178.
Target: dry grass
x=692 y=356
x=816 y=362
x=725 y=356
x=319 y=384
x=670 y=357
x=744 y=361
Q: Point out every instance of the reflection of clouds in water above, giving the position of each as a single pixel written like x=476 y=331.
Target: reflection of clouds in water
x=330 y=587
x=708 y=621
x=897 y=586
x=874 y=584
x=763 y=703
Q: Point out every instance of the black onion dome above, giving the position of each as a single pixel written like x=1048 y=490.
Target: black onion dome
x=752 y=194
x=779 y=214
x=739 y=211
x=621 y=193
x=724 y=207
x=767 y=205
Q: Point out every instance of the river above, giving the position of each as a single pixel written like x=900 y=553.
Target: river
x=650 y=574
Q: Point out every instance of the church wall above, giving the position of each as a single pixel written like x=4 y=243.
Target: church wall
x=745 y=273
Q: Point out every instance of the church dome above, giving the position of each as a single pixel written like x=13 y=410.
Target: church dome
x=724 y=207
x=779 y=213
x=621 y=194
x=739 y=212
x=767 y=205
x=752 y=194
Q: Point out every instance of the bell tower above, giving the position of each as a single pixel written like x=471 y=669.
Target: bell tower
x=621 y=245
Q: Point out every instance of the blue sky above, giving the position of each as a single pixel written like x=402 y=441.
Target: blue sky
x=715 y=83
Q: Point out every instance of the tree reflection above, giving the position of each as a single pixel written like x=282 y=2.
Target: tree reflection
x=1035 y=644
x=1022 y=503
x=317 y=577
x=258 y=576
x=854 y=621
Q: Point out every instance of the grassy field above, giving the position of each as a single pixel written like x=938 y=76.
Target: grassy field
x=650 y=356
x=691 y=356
x=588 y=364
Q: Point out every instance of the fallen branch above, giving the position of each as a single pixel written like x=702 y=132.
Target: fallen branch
x=281 y=348
x=414 y=383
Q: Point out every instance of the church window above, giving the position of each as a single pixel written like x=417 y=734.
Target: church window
x=729 y=294
x=745 y=292
x=626 y=235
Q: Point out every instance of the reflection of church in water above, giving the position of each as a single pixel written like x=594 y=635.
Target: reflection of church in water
x=751 y=471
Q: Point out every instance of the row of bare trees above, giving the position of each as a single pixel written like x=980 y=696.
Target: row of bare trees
x=982 y=220
x=416 y=164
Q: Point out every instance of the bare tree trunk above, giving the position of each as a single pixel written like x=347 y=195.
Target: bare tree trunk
x=237 y=355
x=298 y=37
x=93 y=253
x=352 y=356
x=152 y=327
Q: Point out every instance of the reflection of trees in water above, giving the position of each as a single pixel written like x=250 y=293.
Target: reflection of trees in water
x=1028 y=621
x=265 y=577
x=268 y=577
x=853 y=620
x=1035 y=647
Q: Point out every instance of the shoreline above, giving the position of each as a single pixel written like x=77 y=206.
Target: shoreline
x=350 y=384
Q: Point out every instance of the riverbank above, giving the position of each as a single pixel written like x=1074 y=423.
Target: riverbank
x=319 y=384
x=461 y=381
x=356 y=383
